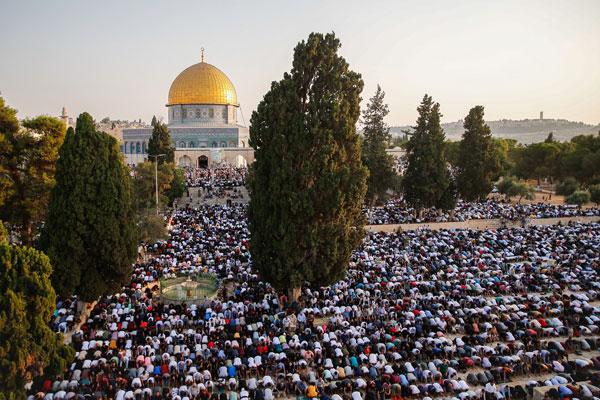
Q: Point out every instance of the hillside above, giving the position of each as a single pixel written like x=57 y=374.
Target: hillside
x=524 y=131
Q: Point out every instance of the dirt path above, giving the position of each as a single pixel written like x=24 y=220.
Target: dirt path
x=478 y=224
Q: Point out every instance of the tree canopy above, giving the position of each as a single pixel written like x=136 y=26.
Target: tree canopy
x=29 y=155
x=382 y=175
x=511 y=186
x=426 y=178
x=144 y=184
x=27 y=303
x=308 y=182
x=476 y=162
x=567 y=186
x=537 y=160
x=578 y=197
x=90 y=233
x=160 y=143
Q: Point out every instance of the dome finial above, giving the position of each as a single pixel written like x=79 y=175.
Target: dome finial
x=202 y=48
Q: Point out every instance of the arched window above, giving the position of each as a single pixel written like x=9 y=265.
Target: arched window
x=223 y=144
x=138 y=148
x=144 y=147
x=214 y=144
x=124 y=148
x=182 y=145
x=132 y=148
x=192 y=145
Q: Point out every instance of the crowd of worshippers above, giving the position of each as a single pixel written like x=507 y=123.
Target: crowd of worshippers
x=223 y=176
x=396 y=211
x=456 y=314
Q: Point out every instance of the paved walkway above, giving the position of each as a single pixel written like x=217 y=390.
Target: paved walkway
x=478 y=224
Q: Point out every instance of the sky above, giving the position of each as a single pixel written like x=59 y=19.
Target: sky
x=119 y=58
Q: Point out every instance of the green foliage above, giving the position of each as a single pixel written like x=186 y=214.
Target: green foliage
x=144 y=184
x=151 y=228
x=581 y=158
x=307 y=182
x=27 y=301
x=376 y=136
x=511 y=186
x=9 y=127
x=426 y=178
x=90 y=233
x=550 y=138
x=538 y=160
x=27 y=166
x=499 y=151
x=154 y=121
x=567 y=186
x=476 y=162
x=398 y=141
x=579 y=197
x=178 y=186
x=498 y=155
x=160 y=143
x=451 y=151
x=447 y=201
x=595 y=194
x=506 y=183
x=3 y=232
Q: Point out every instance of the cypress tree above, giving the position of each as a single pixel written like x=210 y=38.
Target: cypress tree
x=475 y=160
x=307 y=182
x=426 y=179
x=160 y=143
x=90 y=233
x=376 y=135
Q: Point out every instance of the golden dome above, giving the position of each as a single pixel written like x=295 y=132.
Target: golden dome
x=202 y=83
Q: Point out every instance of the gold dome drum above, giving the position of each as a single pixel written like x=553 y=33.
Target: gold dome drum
x=202 y=83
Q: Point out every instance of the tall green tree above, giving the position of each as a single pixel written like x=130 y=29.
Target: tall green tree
x=476 y=164
x=426 y=178
x=382 y=175
x=27 y=163
x=90 y=233
x=499 y=153
x=160 y=143
x=178 y=185
x=144 y=184
x=27 y=300
x=307 y=181
x=451 y=152
x=9 y=127
x=154 y=121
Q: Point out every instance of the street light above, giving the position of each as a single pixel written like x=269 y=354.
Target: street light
x=156 y=175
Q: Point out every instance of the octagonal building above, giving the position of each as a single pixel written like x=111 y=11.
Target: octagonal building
x=202 y=119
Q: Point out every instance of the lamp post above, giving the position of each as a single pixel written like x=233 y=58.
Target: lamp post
x=156 y=175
